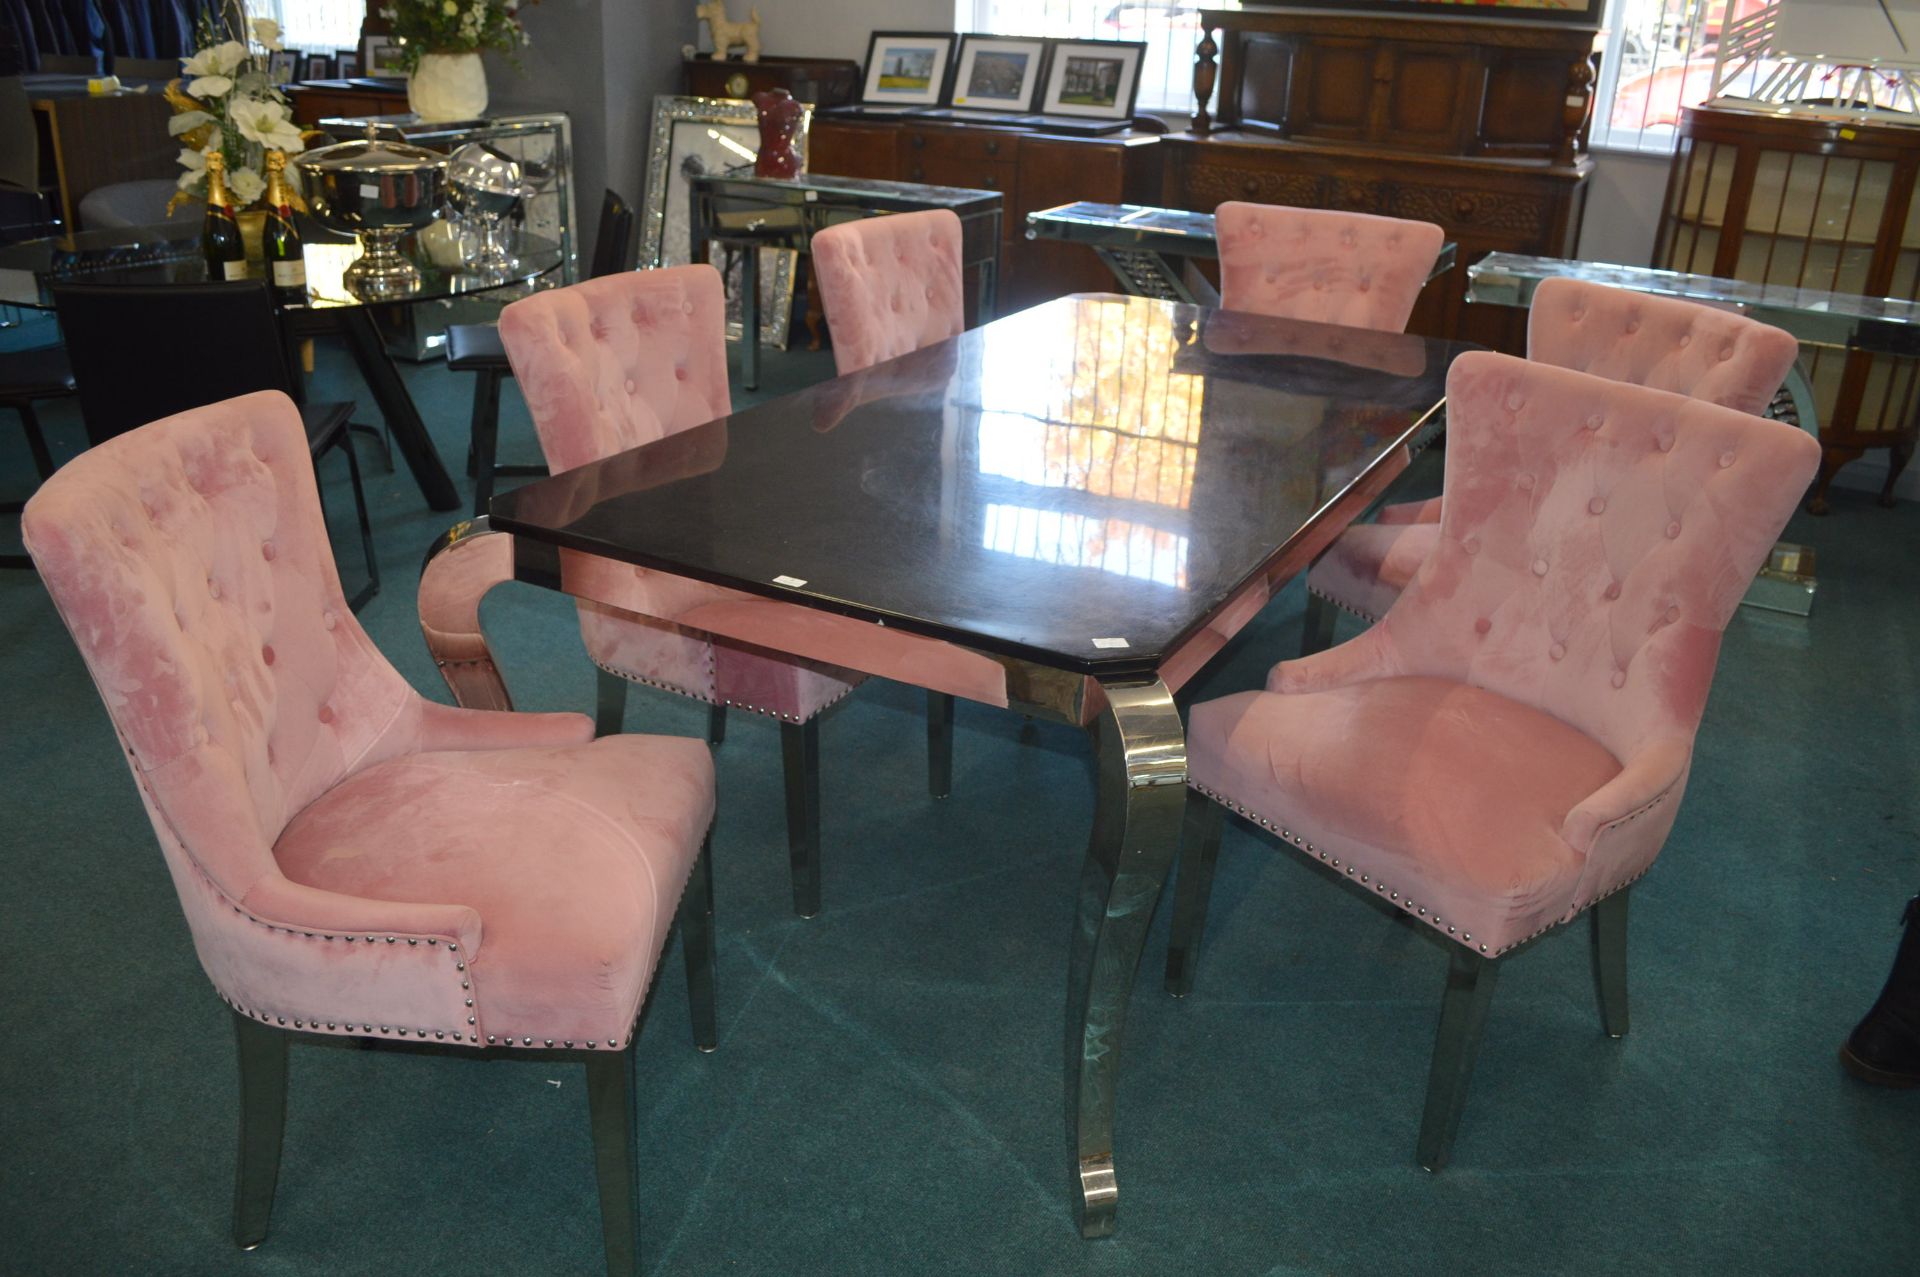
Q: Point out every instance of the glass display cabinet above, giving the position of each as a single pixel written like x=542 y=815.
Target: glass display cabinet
x=1810 y=203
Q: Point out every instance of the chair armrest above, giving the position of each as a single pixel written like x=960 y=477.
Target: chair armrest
x=459 y=571
x=1622 y=826
x=1369 y=656
x=279 y=902
x=450 y=728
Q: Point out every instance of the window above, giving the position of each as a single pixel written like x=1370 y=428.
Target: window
x=314 y=26
x=1171 y=29
x=1659 y=58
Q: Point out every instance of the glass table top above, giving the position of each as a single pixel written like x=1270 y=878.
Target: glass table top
x=1136 y=225
x=1081 y=485
x=1887 y=325
x=137 y=256
x=864 y=192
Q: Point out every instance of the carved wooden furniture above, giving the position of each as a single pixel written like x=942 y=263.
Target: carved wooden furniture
x=816 y=81
x=1476 y=124
x=1813 y=204
x=1033 y=171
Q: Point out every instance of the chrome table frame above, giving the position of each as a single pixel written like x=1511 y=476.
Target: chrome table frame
x=787 y=213
x=1140 y=755
x=1151 y=250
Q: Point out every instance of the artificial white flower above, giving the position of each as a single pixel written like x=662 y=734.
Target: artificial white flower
x=215 y=60
x=263 y=121
x=209 y=87
x=246 y=185
x=449 y=7
x=187 y=122
x=266 y=32
x=195 y=164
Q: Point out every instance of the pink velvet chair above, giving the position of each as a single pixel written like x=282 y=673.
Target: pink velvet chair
x=890 y=285
x=626 y=360
x=1508 y=747
x=355 y=860
x=1352 y=269
x=1690 y=349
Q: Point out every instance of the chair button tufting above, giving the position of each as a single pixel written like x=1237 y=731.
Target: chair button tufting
x=266 y=654
x=686 y=308
x=326 y=713
x=1595 y=421
x=1557 y=651
x=1673 y=529
x=1525 y=483
x=267 y=551
x=1482 y=625
x=630 y=386
x=328 y=619
x=1515 y=401
x=1633 y=325
x=1673 y=613
x=1686 y=339
x=1539 y=567
x=213 y=589
x=1726 y=459
x=929 y=292
x=1619 y=678
x=1665 y=443
x=1579 y=313
x=680 y=374
x=1726 y=353
x=1471 y=545
x=1597 y=506
x=1613 y=591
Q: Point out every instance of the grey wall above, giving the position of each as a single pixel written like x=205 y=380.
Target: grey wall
x=832 y=28
x=1623 y=208
x=602 y=62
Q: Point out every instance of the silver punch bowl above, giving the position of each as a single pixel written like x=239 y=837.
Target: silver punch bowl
x=379 y=191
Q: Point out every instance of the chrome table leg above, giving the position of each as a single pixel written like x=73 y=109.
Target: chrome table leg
x=1142 y=757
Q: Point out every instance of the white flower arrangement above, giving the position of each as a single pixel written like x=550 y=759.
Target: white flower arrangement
x=225 y=101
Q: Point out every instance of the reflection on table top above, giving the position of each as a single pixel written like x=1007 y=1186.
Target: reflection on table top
x=142 y=256
x=1163 y=230
x=1081 y=485
x=872 y=193
x=1885 y=325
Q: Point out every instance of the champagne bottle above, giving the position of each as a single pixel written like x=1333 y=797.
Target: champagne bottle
x=286 y=266
x=220 y=238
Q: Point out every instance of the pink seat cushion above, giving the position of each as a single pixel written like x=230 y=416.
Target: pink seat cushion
x=891 y=285
x=1354 y=269
x=627 y=360
x=1370 y=564
x=1441 y=792
x=573 y=857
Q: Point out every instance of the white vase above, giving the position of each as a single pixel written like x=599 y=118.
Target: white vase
x=448 y=86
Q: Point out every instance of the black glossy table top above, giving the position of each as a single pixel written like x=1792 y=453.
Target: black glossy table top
x=170 y=254
x=1081 y=485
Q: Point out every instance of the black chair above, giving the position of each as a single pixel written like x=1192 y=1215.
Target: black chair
x=25 y=377
x=142 y=353
x=476 y=348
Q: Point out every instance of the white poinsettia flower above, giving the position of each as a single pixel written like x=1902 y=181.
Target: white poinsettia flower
x=266 y=33
x=209 y=87
x=216 y=60
x=246 y=185
x=187 y=122
x=265 y=122
x=193 y=166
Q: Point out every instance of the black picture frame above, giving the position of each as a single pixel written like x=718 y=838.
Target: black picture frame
x=317 y=66
x=346 y=65
x=1061 y=55
x=960 y=96
x=939 y=70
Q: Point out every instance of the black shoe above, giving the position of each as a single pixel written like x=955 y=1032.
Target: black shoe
x=1884 y=1048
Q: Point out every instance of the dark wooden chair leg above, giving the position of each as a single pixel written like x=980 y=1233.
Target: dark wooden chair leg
x=36 y=439
x=614 y=1111
x=610 y=710
x=939 y=744
x=1610 y=961
x=1318 y=631
x=800 y=750
x=486 y=435
x=717 y=723
x=372 y=587
x=262 y=1053
x=696 y=938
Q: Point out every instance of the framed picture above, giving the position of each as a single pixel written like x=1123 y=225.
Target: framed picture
x=1582 y=12
x=693 y=137
x=997 y=74
x=379 y=55
x=1093 y=79
x=283 y=67
x=907 y=68
x=347 y=66
x=319 y=67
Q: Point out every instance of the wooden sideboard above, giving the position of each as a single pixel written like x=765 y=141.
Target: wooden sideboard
x=1031 y=170
x=1476 y=124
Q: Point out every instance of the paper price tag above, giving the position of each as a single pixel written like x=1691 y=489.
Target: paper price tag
x=791 y=582
x=1110 y=642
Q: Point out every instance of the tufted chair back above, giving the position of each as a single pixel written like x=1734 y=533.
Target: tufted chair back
x=890 y=285
x=621 y=361
x=1595 y=541
x=190 y=563
x=1698 y=351
x=1330 y=267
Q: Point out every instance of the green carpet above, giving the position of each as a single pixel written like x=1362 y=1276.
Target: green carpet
x=886 y=1098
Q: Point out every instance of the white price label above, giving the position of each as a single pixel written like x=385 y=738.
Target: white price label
x=1110 y=642
x=791 y=582
x=368 y=191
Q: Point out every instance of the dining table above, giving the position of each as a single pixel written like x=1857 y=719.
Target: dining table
x=143 y=256
x=1065 y=513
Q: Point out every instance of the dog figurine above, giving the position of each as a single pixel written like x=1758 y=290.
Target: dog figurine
x=728 y=34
